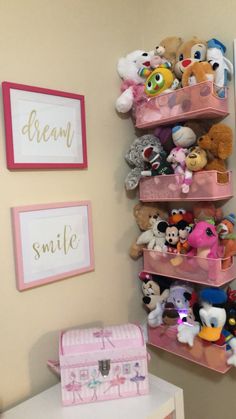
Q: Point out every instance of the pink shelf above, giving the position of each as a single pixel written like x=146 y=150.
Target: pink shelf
x=202 y=353
x=205 y=187
x=192 y=102
x=192 y=269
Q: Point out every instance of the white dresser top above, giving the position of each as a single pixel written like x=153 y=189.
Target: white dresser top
x=163 y=399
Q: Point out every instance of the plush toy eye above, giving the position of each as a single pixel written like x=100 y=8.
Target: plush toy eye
x=174 y=212
x=182 y=211
x=149 y=85
x=209 y=233
x=197 y=55
x=158 y=78
x=181 y=57
x=145 y=54
x=213 y=322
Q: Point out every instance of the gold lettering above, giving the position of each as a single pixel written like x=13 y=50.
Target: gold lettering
x=63 y=242
x=68 y=243
x=33 y=130
x=35 y=246
x=49 y=247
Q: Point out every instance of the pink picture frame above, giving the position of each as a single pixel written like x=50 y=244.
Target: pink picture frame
x=52 y=242
x=44 y=128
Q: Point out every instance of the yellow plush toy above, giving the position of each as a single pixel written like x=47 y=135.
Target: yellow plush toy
x=160 y=80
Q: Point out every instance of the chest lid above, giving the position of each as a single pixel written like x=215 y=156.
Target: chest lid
x=78 y=341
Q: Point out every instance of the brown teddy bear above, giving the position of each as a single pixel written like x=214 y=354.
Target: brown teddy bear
x=143 y=213
x=218 y=142
x=196 y=159
x=169 y=46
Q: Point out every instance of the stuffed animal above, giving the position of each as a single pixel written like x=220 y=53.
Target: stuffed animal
x=230 y=308
x=199 y=127
x=178 y=214
x=207 y=211
x=195 y=161
x=168 y=47
x=183 y=136
x=143 y=214
x=157 y=161
x=158 y=57
x=160 y=80
x=197 y=73
x=132 y=87
x=156 y=292
x=154 y=238
x=180 y=295
x=222 y=67
x=183 y=245
x=218 y=142
x=172 y=238
x=188 y=53
x=134 y=158
x=204 y=242
x=177 y=159
x=153 y=290
x=170 y=315
x=211 y=327
x=186 y=135
x=227 y=239
x=164 y=133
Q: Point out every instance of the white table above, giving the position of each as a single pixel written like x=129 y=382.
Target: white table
x=164 y=398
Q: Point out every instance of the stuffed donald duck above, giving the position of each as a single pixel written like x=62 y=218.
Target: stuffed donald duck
x=211 y=314
x=223 y=68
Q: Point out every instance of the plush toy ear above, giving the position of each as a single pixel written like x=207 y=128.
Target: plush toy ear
x=187 y=296
x=121 y=67
x=162 y=226
x=165 y=295
x=136 y=209
x=224 y=149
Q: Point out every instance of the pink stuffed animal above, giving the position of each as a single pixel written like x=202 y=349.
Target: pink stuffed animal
x=204 y=241
x=177 y=159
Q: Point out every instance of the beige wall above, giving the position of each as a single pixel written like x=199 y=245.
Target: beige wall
x=70 y=45
x=73 y=45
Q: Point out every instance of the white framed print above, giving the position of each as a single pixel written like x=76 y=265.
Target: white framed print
x=52 y=242
x=44 y=129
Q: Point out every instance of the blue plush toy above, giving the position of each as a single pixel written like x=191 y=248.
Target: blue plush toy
x=211 y=324
x=222 y=67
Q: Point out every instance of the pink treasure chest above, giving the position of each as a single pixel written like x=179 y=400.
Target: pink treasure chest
x=102 y=364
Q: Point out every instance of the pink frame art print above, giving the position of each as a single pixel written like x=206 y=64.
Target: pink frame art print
x=52 y=242
x=45 y=129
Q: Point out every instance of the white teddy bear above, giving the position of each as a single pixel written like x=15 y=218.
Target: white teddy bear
x=133 y=84
x=155 y=237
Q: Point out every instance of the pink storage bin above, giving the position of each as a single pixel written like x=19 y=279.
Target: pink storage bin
x=192 y=269
x=192 y=102
x=205 y=187
x=102 y=364
x=202 y=353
